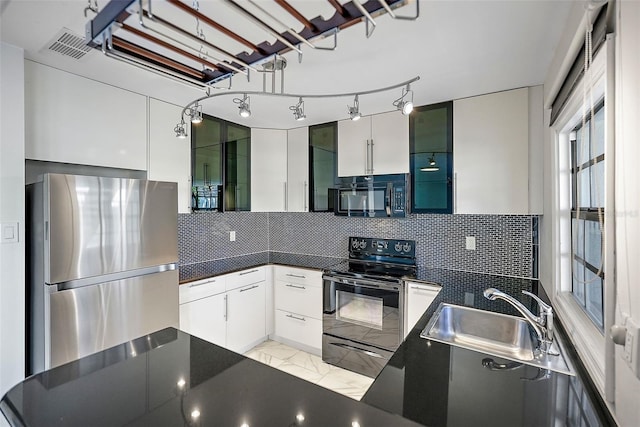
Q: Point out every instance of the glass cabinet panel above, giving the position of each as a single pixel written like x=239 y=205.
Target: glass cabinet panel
x=220 y=165
x=322 y=165
x=431 y=145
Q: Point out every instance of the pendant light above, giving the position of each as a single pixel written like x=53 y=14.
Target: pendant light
x=433 y=166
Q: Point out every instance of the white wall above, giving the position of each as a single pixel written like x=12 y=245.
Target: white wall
x=12 y=281
x=627 y=198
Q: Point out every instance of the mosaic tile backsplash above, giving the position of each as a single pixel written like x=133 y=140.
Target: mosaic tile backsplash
x=505 y=244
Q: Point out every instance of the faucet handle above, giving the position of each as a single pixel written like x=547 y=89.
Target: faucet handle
x=542 y=306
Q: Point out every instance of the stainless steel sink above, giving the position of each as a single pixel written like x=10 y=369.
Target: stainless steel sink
x=496 y=334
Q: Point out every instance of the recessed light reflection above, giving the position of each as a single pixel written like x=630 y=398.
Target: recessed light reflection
x=195 y=414
x=300 y=418
x=355 y=424
x=244 y=425
x=181 y=383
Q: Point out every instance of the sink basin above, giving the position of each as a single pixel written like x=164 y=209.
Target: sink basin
x=496 y=334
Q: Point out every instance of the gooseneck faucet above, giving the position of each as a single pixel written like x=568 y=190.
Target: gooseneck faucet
x=542 y=324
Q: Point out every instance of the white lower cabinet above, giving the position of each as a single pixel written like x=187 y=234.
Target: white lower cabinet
x=298 y=307
x=297 y=328
x=205 y=318
x=419 y=297
x=246 y=317
x=228 y=310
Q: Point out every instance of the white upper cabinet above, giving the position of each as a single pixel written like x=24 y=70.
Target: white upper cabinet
x=77 y=120
x=491 y=153
x=374 y=145
x=268 y=170
x=298 y=170
x=169 y=157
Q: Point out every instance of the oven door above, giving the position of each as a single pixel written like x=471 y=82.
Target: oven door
x=365 y=311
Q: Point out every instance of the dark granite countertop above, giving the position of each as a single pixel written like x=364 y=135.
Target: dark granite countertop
x=437 y=384
x=203 y=270
x=424 y=383
x=162 y=379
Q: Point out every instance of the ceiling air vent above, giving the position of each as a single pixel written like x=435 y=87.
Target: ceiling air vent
x=67 y=43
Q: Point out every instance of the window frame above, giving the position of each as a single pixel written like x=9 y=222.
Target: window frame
x=587 y=338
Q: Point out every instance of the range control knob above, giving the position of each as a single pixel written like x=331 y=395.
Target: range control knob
x=406 y=247
x=363 y=244
x=354 y=243
x=398 y=247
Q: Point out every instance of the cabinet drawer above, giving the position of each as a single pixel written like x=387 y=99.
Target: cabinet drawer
x=301 y=276
x=302 y=299
x=198 y=289
x=245 y=277
x=298 y=328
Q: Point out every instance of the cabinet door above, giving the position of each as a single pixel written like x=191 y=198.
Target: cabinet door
x=419 y=297
x=390 y=136
x=268 y=170
x=205 y=318
x=298 y=170
x=169 y=157
x=353 y=148
x=245 y=317
x=491 y=153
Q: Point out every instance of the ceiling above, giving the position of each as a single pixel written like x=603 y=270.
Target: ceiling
x=458 y=48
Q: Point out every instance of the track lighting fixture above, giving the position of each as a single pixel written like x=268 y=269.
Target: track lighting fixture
x=433 y=166
x=195 y=113
x=354 y=112
x=181 y=129
x=244 y=106
x=298 y=110
x=406 y=106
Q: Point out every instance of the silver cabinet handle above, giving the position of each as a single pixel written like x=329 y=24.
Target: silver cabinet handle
x=455 y=192
x=371 y=157
x=361 y=350
x=296 y=317
x=195 y=285
x=225 y=306
x=295 y=286
x=248 y=272
x=305 y=196
x=249 y=288
x=366 y=165
x=420 y=288
x=299 y=276
x=285 y=196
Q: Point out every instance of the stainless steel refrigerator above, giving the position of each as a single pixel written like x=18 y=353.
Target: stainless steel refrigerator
x=101 y=264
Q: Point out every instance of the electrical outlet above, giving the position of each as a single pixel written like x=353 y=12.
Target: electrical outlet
x=232 y=236
x=631 y=352
x=470 y=243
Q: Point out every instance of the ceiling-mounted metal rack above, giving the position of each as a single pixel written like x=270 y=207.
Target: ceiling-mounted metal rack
x=133 y=32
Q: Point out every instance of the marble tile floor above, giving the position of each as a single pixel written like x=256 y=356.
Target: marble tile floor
x=311 y=368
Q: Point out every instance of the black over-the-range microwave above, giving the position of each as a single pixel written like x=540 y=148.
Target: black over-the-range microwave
x=372 y=196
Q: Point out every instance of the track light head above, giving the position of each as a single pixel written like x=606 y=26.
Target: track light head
x=298 y=110
x=354 y=112
x=405 y=105
x=181 y=129
x=195 y=113
x=244 y=107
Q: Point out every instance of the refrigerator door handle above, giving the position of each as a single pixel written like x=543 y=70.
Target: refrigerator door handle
x=90 y=281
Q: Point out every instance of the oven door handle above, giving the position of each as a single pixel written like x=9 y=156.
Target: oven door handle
x=361 y=350
x=364 y=283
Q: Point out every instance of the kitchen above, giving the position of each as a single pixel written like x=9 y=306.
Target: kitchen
x=128 y=136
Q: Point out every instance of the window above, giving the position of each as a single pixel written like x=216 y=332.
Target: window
x=322 y=165
x=431 y=156
x=587 y=214
x=220 y=165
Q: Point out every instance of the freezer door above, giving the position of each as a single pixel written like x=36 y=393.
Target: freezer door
x=95 y=225
x=92 y=318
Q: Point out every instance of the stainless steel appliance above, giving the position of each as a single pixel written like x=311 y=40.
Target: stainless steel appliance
x=102 y=256
x=373 y=196
x=363 y=304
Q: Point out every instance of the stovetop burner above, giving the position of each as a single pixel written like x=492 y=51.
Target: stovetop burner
x=390 y=259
